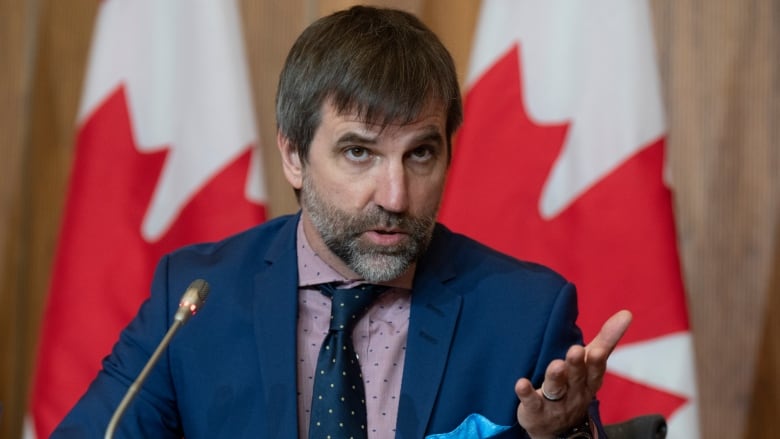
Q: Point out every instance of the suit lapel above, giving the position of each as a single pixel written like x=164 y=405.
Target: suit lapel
x=434 y=315
x=275 y=310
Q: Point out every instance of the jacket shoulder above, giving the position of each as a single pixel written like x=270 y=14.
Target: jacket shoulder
x=257 y=240
x=469 y=256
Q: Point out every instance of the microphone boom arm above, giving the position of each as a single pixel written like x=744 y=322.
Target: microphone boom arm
x=133 y=390
x=190 y=303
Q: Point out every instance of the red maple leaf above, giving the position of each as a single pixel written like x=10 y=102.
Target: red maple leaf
x=616 y=241
x=103 y=266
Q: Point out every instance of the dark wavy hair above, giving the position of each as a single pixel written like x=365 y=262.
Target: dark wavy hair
x=383 y=64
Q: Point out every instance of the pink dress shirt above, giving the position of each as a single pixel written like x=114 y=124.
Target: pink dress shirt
x=379 y=338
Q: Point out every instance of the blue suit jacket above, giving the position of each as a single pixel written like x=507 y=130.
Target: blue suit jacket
x=479 y=321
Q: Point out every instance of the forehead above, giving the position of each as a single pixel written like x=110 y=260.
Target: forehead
x=432 y=116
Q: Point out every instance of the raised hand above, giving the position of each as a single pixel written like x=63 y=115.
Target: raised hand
x=569 y=385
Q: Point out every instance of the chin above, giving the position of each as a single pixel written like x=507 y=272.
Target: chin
x=380 y=268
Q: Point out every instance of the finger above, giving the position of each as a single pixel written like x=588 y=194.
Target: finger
x=527 y=395
x=597 y=351
x=555 y=382
x=609 y=335
x=575 y=366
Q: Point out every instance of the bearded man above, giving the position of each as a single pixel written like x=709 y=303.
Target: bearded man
x=447 y=338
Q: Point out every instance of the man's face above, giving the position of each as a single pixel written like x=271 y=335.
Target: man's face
x=370 y=194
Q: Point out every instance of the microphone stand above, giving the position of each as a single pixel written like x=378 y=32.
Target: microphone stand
x=133 y=390
x=191 y=301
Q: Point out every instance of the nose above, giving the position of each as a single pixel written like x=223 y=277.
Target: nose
x=392 y=190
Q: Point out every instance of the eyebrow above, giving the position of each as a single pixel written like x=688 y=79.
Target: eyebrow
x=353 y=137
x=429 y=134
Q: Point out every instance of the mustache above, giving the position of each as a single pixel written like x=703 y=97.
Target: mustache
x=380 y=218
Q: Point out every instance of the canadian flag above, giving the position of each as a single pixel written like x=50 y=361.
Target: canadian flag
x=560 y=160
x=166 y=155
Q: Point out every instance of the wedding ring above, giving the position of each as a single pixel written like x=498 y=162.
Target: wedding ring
x=552 y=398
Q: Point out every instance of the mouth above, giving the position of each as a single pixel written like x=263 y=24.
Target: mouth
x=386 y=237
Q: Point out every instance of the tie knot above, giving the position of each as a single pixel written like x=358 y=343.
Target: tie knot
x=349 y=304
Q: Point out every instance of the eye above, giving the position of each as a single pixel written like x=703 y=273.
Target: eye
x=357 y=153
x=422 y=153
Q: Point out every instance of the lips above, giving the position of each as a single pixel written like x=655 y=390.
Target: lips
x=386 y=236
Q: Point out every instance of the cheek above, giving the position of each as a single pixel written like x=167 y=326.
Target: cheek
x=345 y=192
x=426 y=195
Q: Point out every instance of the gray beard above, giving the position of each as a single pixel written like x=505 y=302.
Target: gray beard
x=341 y=232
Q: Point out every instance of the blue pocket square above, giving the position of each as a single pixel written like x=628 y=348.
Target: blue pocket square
x=475 y=426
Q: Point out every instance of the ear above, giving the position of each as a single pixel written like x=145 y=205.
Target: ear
x=291 y=161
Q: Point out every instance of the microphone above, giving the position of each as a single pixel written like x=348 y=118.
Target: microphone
x=191 y=301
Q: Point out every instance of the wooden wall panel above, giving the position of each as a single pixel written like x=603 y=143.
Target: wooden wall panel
x=326 y=7
x=763 y=407
x=454 y=22
x=719 y=67
x=269 y=30
x=56 y=36
x=16 y=24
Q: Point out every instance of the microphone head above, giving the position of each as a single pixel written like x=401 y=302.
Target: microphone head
x=192 y=300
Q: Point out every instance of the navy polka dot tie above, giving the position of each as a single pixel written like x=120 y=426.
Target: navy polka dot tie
x=338 y=408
